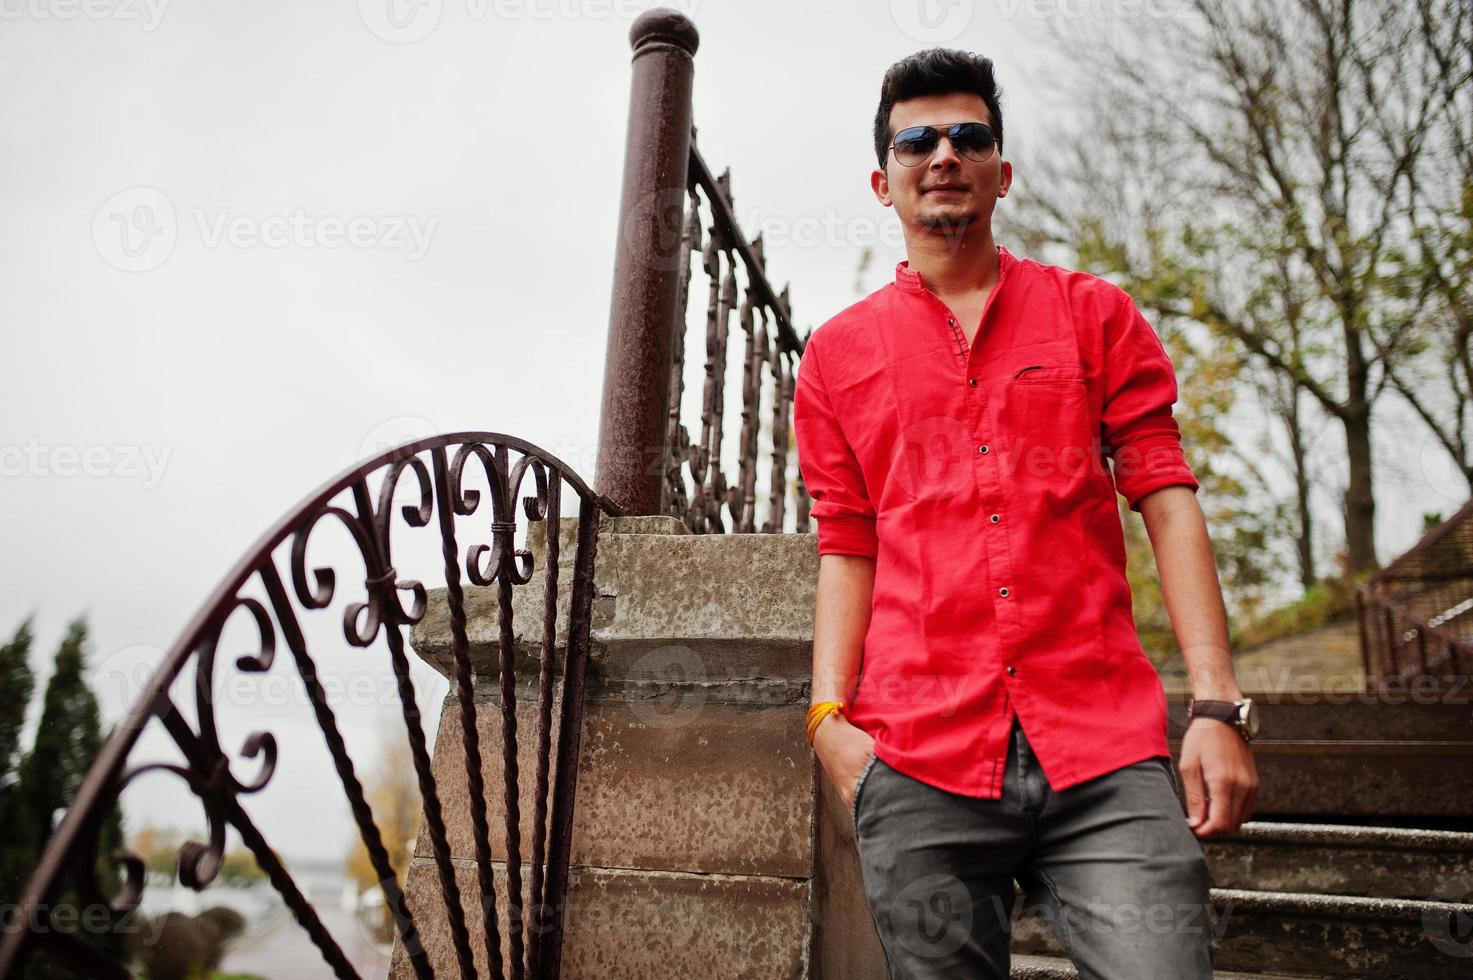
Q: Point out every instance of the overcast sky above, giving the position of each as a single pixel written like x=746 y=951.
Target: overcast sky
x=248 y=244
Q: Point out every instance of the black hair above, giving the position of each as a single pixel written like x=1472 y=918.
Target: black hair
x=936 y=71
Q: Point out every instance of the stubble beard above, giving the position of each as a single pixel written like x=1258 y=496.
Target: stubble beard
x=951 y=224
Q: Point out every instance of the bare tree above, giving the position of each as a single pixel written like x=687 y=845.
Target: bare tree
x=1295 y=178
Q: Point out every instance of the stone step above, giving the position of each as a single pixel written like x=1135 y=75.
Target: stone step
x=1315 y=935
x=1026 y=967
x=1359 y=756
x=1331 y=859
x=1360 y=716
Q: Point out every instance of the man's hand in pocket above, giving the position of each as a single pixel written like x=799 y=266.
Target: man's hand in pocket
x=842 y=750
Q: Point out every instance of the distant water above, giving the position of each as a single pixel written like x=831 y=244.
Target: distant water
x=274 y=945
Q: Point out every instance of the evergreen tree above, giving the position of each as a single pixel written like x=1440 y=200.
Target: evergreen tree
x=68 y=739
x=16 y=684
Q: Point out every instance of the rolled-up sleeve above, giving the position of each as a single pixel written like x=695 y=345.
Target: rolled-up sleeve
x=831 y=472
x=1140 y=435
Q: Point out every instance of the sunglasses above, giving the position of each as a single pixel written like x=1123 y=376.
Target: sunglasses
x=972 y=140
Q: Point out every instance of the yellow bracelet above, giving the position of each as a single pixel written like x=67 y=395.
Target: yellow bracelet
x=816 y=712
x=820 y=711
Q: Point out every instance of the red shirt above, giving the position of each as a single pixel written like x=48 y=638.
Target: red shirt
x=976 y=478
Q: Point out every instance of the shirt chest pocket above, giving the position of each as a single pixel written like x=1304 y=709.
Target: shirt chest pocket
x=1054 y=362
x=1048 y=374
x=1043 y=413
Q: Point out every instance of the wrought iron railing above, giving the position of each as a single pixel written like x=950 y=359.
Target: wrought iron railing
x=771 y=349
x=1399 y=647
x=1416 y=614
x=671 y=210
x=454 y=484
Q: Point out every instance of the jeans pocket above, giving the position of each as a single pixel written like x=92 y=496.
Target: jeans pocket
x=1171 y=774
x=859 y=788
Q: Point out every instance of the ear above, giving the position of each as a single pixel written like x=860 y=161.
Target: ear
x=1005 y=179
x=880 y=184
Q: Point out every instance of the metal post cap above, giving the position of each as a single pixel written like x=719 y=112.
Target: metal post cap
x=663 y=25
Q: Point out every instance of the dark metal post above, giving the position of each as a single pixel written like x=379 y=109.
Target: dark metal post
x=1391 y=644
x=1371 y=669
x=635 y=411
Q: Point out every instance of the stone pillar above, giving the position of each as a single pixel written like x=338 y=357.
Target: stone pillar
x=707 y=841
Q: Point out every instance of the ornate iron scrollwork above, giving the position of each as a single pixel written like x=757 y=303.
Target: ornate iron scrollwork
x=388 y=606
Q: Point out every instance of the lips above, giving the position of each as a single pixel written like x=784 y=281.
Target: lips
x=945 y=187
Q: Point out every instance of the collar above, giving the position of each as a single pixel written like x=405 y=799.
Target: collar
x=910 y=280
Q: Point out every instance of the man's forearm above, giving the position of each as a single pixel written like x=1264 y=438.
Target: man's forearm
x=840 y=620
x=1190 y=587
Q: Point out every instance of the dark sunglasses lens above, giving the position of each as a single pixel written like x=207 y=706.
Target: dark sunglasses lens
x=972 y=140
x=915 y=144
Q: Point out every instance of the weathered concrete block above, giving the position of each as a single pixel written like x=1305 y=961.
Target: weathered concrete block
x=738 y=606
x=622 y=923
x=722 y=789
x=704 y=835
x=845 y=943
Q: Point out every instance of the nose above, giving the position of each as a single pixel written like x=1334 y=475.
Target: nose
x=945 y=154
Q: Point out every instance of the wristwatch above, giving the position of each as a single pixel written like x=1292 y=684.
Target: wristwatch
x=1242 y=715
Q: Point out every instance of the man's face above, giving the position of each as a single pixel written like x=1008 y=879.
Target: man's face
x=947 y=191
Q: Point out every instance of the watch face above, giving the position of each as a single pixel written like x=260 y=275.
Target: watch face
x=1249 y=714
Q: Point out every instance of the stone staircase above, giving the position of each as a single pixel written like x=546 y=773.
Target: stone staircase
x=1050 y=968
x=1322 y=900
x=707 y=841
x=1359 y=860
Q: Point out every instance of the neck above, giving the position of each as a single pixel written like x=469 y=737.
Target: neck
x=951 y=262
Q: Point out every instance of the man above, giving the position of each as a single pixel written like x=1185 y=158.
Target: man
x=953 y=429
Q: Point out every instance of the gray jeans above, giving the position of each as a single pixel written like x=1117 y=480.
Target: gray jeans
x=1111 y=864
